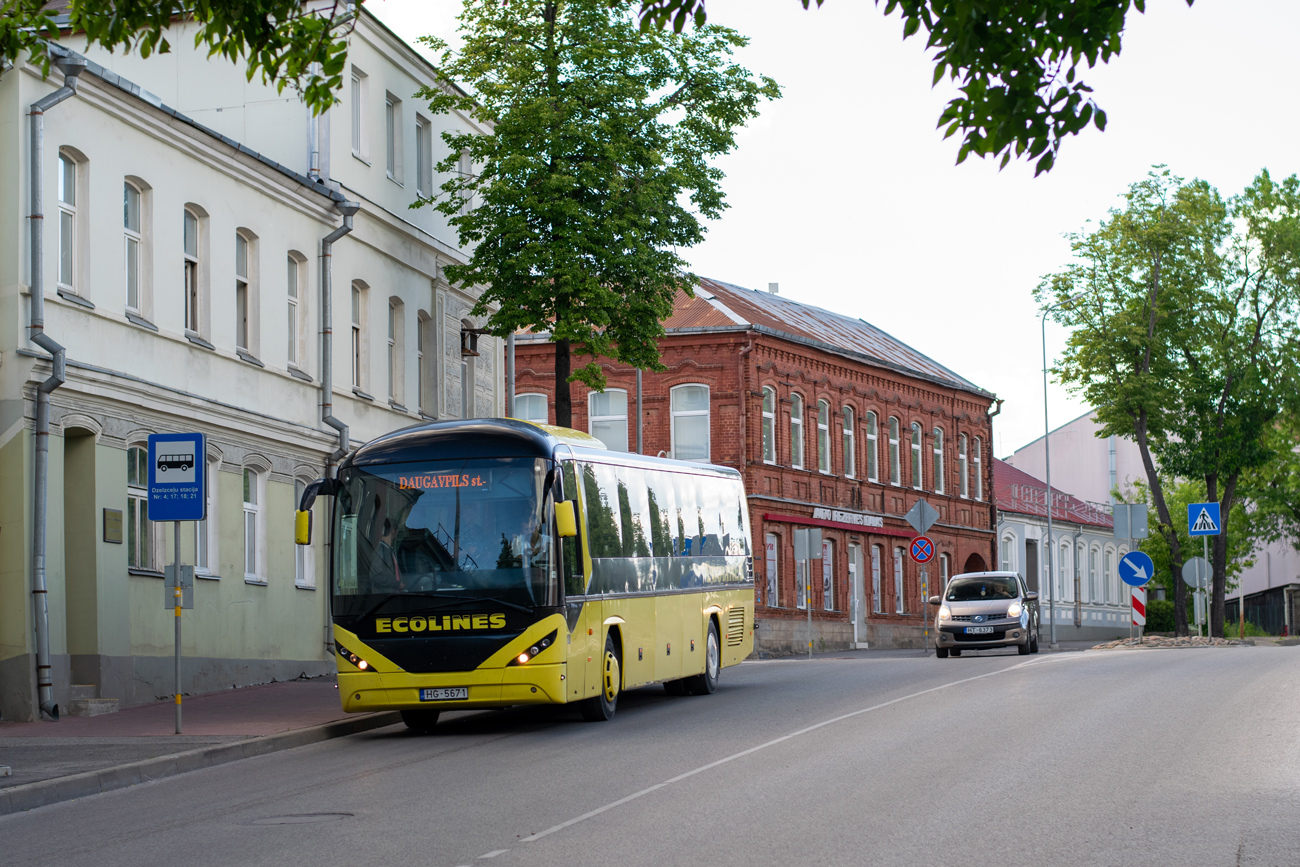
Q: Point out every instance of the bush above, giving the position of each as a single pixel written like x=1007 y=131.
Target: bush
x=1160 y=615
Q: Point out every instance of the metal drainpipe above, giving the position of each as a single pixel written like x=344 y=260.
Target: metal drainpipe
x=347 y=209
x=71 y=67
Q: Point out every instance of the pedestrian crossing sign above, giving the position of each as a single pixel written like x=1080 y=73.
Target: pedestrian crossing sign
x=1203 y=519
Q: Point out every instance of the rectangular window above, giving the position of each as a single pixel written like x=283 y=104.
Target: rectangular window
x=392 y=352
x=872 y=445
x=900 y=604
x=828 y=575
x=241 y=292
x=302 y=562
x=131 y=235
x=690 y=422
x=895 y=473
x=421 y=325
x=67 y=219
x=356 y=336
x=876 y=554
x=251 y=510
x=205 y=530
x=191 y=257
x=423 y=157
x=850 y=456
x=979 y=475
x=945 y=570
x=796 y=431
x=772 y=543
x=917 y=475
x=937 y=448
x=393 y=137
x=769 y=425
x=823 y=436
x=607 y=418
x=962 y=468
x=139 y=529
x=358 y=112
x=293 y=278
x=531 y=407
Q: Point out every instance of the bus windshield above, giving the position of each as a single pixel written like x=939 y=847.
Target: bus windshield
x=429 y=534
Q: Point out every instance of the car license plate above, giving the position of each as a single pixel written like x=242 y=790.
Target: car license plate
x=445 y=693
x=978 y=630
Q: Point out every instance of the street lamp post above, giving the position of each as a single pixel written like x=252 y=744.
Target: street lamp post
x=1047 y=461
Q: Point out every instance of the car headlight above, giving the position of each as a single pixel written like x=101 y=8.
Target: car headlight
x=945 y=613
x=1014 y=610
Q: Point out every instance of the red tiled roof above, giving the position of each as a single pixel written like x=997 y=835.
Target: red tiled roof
x=1016 y=491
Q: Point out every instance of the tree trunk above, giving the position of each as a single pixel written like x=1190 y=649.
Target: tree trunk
x=1219 y=559
x=563 y=400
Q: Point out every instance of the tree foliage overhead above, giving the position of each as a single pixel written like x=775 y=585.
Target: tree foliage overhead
x=1017 y=64
x=1186 y=339
x=285 y=41
x=596 y=172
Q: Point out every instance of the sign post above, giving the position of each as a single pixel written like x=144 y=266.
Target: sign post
x=1203 y=520
x=178 y=492
x=1135 y=570
x=1130 y=523
x=922 y=517
x=807 y=547
x=922 y=551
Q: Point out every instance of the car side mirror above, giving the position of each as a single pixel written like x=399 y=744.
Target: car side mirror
x=935 y=600
x=302 y=528
x=566 y=521
x=1031 y=596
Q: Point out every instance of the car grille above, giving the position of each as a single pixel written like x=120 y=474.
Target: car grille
x=971 y=617
x=995 y=635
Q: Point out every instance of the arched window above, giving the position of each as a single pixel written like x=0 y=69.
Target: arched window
x=133 y=238
x=961 y=466
x=607 y=417
x=1094 y=574
x=396 y=350
x=769 y=425
x=304 y=559
x=531 y=407
x=690 y=422
x=772 y=559
x=193 y=285
x=1110 y=576
x=823 y=436
x=796 y=431
x=360 y=291
x=895 y=474
x=979 y=475
x=1008 y=553
x=73 y=214
x=900 y=604
x=938 y=460
x=917 y=476
x=247 y=301
x=1064 y=573
x=873 y=471
x=850 y=458
x=254 y=527
x=876 y=554
x=828 y=575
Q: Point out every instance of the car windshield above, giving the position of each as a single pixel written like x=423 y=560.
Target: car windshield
x=981 y=589
x=437 y=533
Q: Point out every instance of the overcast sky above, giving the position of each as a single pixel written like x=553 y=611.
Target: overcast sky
x=845 y=194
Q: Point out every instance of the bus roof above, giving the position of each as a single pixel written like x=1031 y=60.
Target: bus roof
x=504 y=437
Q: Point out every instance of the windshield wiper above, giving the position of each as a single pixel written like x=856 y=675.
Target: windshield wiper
x=498 y=599
x=455 y=599
x=388 y=597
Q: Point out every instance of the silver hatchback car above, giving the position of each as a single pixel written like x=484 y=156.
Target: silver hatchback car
x=983 y=610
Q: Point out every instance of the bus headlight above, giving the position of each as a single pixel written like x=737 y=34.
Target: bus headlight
x=535 y=649
x=352 y=657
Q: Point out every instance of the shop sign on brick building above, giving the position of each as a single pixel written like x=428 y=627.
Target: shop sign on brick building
x=834 y=424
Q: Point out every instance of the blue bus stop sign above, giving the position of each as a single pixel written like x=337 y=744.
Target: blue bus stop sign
x=177 y=477
x=1136 y=568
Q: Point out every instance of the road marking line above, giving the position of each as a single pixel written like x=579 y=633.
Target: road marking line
x=731 y=758
x=494 y=854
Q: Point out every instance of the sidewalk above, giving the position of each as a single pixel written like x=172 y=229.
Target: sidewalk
x=76 y=756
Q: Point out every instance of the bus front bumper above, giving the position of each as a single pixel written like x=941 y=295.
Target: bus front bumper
x=365 y=692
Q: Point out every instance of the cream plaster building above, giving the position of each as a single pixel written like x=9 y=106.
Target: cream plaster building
x=197 y=227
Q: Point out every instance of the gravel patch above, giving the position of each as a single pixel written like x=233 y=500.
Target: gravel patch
x=1158 y=642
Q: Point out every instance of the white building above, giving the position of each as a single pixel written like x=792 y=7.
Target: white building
x=1092 y=467
x=185 y=210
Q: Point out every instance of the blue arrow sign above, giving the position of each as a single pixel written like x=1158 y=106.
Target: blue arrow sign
x=177 y=481
x=1203 y=519
x=1136 y=568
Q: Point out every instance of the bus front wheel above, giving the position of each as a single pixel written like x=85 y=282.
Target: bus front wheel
x=420 y=721
x=707 y=683
x=600 y=707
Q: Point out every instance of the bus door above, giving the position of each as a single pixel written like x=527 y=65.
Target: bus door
x=582 y=617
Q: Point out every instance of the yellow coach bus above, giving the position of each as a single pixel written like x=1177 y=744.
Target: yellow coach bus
x=493 y=562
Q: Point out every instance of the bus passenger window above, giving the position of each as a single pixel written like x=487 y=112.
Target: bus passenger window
x=602 y=515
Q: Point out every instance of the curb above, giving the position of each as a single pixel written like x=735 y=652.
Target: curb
x=44 y=792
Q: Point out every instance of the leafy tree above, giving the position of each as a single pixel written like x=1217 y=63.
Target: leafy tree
x=1186 y=339
x=1017 y=64
x=596 y=174
x=284 y=40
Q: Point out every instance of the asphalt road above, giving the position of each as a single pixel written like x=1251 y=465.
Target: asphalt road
x=1178 y=757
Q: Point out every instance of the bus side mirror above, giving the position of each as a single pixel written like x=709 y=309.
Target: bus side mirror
x=302 y=528
x=566 y=521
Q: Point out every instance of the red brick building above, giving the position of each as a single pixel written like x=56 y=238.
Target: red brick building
x=834 y=424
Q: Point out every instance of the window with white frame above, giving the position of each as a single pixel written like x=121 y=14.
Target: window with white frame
x=1064 y=584
x=193 y=299
x=393 y=137
x=945 y=571
x=900 y=600
x=304 y=559
x=876 y=554
x=423 y=156
x=1008 y=552
x=360 y=86
x=243 y=295
x=962 y=468
x=850 y=455
x=253 y=524
x=465 y=169
x=358 y=348
x=773 y=550
x=607 y=417
x=823 y=437
x=133 y=239
x=294 y=266
x=140 y=553
x=421 y=378
x=937 y=447
x=769 y=425
x=690 y=422
x=828 y=575
x=72 y=215
x=976 y=469
x=796 y=431
x=531 y=407
x=917 y=466
x=1110 y=576
x=873 y=468
x=1094 y=574
x=396 y=350
x=895 y=472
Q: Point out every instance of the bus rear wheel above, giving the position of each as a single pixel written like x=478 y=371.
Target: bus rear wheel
x=420 y=721
x=707 y=683
x=601 y=706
